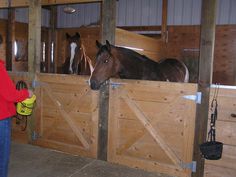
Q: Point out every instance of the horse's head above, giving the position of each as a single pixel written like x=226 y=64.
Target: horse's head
x=107 y=65
x=74 y=46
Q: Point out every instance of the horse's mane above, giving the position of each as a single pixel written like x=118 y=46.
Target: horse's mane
x=135 y=55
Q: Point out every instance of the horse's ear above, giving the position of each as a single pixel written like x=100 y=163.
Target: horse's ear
x=108 y=45
x=77 y=34
x=67 y=35
x=98 y=44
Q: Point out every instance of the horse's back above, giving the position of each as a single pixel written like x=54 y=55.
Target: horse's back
x=174 y=70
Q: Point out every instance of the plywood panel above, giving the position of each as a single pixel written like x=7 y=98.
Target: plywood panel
x=150 y=47
x=69 y=115
x=225 y=133
x=151 y=125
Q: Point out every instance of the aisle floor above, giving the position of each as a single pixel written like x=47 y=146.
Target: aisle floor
x=33 y=161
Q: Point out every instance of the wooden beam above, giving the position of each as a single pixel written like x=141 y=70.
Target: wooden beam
x=53 y=25
x=164 y=20
x=108 y=25
x=205 y=79
x=55 y=2
x=26 y=3
x=10 y=38
x=141 y=28
x=34 y=49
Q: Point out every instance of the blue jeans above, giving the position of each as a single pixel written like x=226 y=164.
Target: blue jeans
x=5 y=140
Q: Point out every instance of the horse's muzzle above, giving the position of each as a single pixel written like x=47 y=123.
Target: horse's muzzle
x=94 y=85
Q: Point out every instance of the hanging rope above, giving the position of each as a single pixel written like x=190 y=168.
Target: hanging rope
x=20 y=119
x=212 y=150
x=214 y=113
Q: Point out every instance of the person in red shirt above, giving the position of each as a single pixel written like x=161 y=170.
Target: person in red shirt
x=8 y=97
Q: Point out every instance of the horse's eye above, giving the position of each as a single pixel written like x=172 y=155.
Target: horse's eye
x=106 y=61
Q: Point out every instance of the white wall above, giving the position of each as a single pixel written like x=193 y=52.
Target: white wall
x=136 y=13
x=22 y=15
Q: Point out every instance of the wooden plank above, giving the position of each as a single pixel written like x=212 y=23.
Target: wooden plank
x=141 y=28
x=81 y=106
x=148 y=46
x=26 y=3
x=216 y=171
x=154 y=132
x=205 y=79
x=75 y=129
x=164 y=20
x=168 y=119
x=55 y=2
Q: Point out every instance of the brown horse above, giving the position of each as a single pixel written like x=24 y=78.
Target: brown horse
x=114 y=61
x=77 y=62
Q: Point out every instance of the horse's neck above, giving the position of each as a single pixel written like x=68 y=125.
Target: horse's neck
x=129 y=67
x=139 y=67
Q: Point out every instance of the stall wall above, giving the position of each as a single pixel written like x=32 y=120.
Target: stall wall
x=184 y=41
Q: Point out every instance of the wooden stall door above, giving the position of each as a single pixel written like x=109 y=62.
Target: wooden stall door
x=68 y=120
x=151 y=125
x=225 y=133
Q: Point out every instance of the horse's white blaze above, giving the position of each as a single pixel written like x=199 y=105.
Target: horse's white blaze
x=186 y=79
x=73 y=46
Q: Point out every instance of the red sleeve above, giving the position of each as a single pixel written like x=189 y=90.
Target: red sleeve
x=8 y=90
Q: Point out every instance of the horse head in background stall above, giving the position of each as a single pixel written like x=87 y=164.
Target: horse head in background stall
x=128 y=64
x=77 y=62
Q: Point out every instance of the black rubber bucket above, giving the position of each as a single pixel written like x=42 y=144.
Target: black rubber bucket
x=212 y=150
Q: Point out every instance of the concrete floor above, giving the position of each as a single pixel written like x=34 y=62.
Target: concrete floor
x=33 y=161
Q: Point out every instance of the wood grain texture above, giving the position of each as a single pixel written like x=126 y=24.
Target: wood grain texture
x=152 y=128
x=71 y=108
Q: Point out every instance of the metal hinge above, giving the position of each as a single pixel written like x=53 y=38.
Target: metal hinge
x=115 y=85
x=192 y=166
x=35 y=136
x=35 y=84
x=197 y=98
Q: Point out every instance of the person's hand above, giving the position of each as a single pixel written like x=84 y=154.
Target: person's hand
x=30 y=93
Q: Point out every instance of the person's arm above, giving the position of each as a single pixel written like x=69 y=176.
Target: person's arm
x=8 y=90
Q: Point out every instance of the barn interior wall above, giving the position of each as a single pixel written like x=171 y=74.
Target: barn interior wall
x=183 y=43
x=21 y=36
x=147 y=13
x=22 y=15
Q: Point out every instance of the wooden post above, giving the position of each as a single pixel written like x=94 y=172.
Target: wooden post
x=10 y=38
x=108 y=26
x=205 y=79
x=34 y=49
x=53 y=26
x=164 y=20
